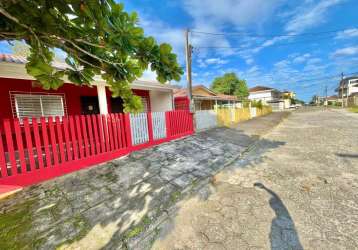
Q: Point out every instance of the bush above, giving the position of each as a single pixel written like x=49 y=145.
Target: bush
x=257 y=104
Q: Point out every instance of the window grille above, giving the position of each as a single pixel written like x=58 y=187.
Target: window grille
x=144 y=100
x=37 y=105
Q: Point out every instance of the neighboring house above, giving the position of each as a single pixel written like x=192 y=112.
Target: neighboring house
x=286 y=94
x=333 y=100
x=268 y=96
x=287 y=97
x=348 y=85
x=318 y=100
x=204 y=98
x=21 y=96
x=273 y=97
x=264 y=94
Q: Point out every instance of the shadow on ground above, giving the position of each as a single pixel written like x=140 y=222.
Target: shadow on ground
x=283 y=234
x=112 y=205
x=347 y=155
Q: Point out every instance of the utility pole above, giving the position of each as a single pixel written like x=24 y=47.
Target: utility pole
x=188 y=57
x=342 y=88
x=326 y=96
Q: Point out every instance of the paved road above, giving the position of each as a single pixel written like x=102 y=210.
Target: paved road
x=297 y=190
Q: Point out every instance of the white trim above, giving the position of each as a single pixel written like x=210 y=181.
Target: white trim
x=102 y=99
x=18 y=71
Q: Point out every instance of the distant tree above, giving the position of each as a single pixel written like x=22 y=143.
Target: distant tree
x=297 y=101
x=230 y=84
x=98 y=38
x=20 y=49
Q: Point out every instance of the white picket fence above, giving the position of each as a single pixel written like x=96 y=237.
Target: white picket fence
x=159 y=128
x=253 y=112
x=139 y=128
x=205 y=119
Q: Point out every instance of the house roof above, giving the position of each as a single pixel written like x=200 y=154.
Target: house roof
x=17 y=71
x=211 y=95
x=260 y=88
x=22 y=60
x=345 y=80
x=332 y=97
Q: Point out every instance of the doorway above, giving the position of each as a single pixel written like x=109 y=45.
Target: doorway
x=117 y=105
x=89 y=105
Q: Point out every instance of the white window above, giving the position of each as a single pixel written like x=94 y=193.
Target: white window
x=38 y=105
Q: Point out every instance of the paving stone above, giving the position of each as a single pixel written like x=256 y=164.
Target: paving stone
x=123 y=192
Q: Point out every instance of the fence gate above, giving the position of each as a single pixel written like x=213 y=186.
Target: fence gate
x=139 y=128
x=205 y=119
x=159 y=128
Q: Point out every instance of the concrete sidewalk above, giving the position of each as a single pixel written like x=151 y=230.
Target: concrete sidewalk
x=122 y=202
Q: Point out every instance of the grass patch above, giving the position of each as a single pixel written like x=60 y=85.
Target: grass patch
x=82 y=228
x=175 y=196
x=138 y=229
x=15 y=227
x=353 y=109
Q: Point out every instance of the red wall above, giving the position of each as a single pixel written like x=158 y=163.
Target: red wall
x=71 y=91
x=181 y=103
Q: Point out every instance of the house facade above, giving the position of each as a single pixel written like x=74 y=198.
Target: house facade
x=348 y=86
x=264 y=94
x=272 y=97
x=348 y=89
x=204 y=99
x=21 y=96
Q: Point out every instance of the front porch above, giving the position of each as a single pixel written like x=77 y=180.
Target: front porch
x=21 y=98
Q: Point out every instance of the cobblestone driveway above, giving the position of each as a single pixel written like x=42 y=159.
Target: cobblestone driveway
x=113 y=205
x=302 y=194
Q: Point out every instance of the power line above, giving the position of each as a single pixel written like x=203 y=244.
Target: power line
x=324 y=78
x=332 y=77
x=261 y=46
x=267 y=35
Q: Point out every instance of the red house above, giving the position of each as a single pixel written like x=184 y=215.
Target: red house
x=48 y=133
x=21 y=96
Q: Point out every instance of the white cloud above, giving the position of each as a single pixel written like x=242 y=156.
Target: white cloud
x=348 y=51
x=269 y=43
x=213 y=16
x=216 y=61
x=249 y=61
x=163 y=33
x=301 y=58
x=231 y=12
x=313 y=61
x=309 y=15
x=348 y=33
x=253 y=69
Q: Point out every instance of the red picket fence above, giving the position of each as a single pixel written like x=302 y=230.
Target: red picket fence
x=34 y=150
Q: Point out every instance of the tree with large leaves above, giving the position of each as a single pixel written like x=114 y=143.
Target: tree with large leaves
x=230 y=84
x=98 y=37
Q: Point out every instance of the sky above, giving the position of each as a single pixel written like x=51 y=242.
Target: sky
x=297 y=45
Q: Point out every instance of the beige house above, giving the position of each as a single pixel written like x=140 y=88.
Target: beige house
x=206 y=99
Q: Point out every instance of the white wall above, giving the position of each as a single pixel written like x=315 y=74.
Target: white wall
x=352 y=89
x=263 y=96
x=161 y=100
